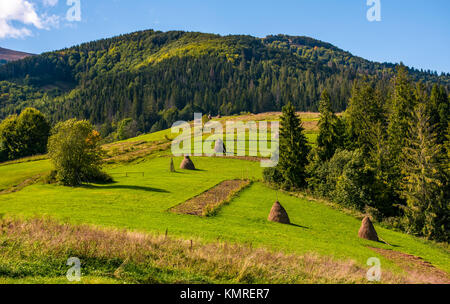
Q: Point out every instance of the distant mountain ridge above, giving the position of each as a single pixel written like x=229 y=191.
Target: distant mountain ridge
x=7 y=55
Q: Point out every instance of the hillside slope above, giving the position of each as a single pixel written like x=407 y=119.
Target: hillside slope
x=139 y=201
x=7 y=55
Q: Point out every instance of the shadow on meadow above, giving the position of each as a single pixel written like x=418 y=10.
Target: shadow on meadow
x=126 y=187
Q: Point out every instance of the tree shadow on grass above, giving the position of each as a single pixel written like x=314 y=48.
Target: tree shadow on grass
x=127 y=187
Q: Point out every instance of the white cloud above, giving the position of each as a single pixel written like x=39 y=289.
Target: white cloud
x=50 y=2
x=22 y=11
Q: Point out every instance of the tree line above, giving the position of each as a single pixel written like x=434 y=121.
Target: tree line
x=387 y=155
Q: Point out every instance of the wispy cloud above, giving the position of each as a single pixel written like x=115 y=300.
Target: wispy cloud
x=50 y=2
x=14 y=12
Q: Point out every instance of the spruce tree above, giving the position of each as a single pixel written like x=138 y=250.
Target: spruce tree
x=401 y=109
x=424 y=185
x=402 y=105
x=364 y=112
x=439 y=111
x=294 y=149
x=329 y=138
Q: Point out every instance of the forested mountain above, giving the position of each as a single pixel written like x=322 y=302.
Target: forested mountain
x=155 y=78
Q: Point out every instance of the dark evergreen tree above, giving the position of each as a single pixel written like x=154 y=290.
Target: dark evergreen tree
x=425 y=186
x=330 y=136
x=401 y=108
x=364 y=112
x=294 y=149
x=439 y=111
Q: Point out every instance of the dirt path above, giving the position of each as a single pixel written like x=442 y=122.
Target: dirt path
x=211 y=199
x=419 y=270
x=23 y=184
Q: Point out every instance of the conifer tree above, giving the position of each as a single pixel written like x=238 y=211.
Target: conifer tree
x=364 y=112
x=329 y=138
x=294 y=149
x=427 y=209
x=402 y=105
x=401 y=109
x=439 y=111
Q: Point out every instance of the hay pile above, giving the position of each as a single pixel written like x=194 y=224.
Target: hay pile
x=278 y=214
x=187 y=164
x=367 y=231
x=219 y=147
x=172 y=167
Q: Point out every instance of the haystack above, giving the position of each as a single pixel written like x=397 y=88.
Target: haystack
x=367 y=231
x=172 y=167
x=278 y=214
x=219 y=147
x=187 y=164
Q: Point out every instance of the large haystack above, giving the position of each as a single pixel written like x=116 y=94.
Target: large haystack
x=219 y=147
x=278 y=214
x=367 y=231
x=187 y=164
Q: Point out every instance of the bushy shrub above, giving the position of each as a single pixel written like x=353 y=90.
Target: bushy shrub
x=354 y=186
x=126 y=128
x=272 y=176
x=76 y=154
x=50 y=178
x=345 y=179
x=323 y=176
x=23 y=135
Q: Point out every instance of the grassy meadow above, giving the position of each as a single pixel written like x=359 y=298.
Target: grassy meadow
x=124 y=232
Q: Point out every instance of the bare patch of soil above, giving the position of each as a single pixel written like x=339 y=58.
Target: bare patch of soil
x=419 y=270
x=211 y=199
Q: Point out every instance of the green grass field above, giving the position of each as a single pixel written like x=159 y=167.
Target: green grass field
x=15 y=173
x=141 y=202
x=144 y=191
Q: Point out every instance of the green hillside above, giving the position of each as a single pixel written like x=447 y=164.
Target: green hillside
x=321 y=245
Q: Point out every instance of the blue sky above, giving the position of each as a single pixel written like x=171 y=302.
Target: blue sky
x=416 y=32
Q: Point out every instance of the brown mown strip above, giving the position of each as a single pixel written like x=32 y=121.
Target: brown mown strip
x=418 y=269
x=27 y=182
x=211 y=199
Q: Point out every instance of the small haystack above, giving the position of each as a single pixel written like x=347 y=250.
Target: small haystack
x=278 y=214
x=367 y=231
x=219 y=147
x=187 y=164
x=172 y=166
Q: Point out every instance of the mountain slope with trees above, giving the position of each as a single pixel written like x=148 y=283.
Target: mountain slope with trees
x=154 y=78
